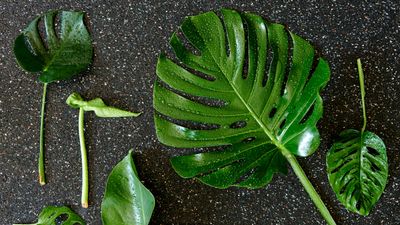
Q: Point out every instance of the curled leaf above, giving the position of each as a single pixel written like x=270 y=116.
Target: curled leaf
x=98 y=106
x=53 y=215
x=58 y=56
x=126 y=200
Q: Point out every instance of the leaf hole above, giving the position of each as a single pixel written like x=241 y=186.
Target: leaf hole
x=373 y=151
x=248 y=140
x=245 y=71
x=191 y=124
x=227 y=49
x=272 y=112
x=313 y=68
x=61 y=219
x=212 y=102
x=282 y=124
x=42 y=33
x=238 y=124
x=374 y=168
x=246 y=175
x=344 y=188
x=288 y=63
x=186 y=43
x=57 y=25
x=307 y=115
x=270 y=63
x=196 y=72
x=358 y=205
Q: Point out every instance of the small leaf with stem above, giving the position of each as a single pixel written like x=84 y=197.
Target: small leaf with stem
x=101 y=110
x=56 y=56
x=357 y=164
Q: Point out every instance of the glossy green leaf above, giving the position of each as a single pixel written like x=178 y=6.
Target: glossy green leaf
x=357 y=165
x=358 y=170
x=53 y=215
x=98 y=107
x=126 y=200
x=57 y=56
x=268 y=80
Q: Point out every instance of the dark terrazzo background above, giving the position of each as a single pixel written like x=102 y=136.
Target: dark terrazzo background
x=128 y=36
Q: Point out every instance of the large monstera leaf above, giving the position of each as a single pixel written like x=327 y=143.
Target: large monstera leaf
x=268 y=80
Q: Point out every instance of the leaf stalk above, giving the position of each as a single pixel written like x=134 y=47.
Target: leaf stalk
x=42 y=174
x=308 y=187
x=362 y=88
x=85 y=171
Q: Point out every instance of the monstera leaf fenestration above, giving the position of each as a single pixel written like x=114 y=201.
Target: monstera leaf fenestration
x=60 y=55
x=58 y=215
x=357 y=165
x=254 y=88
x=54 y=55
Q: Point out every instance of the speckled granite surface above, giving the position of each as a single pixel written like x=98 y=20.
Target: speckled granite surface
x=128 y=36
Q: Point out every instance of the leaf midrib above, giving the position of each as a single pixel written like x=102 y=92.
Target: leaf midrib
x=279 y=145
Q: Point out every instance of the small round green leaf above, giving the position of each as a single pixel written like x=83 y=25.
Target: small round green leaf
x=358 y=170
x=58 y=56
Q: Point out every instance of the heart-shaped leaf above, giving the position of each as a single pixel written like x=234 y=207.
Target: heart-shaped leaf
x=53 y=215
x=269 y=109
x=357 y=165
x=58 y=56
x=358 y=170
x=126 y=200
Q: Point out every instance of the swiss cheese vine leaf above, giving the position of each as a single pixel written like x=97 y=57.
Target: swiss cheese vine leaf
x=357 y=165
x=254 y=87
x=126 y=200
x=53 y=215
x=269 y=109
x=57 y=56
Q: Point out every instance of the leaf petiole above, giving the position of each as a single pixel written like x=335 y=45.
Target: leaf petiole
x=102 y=110
x=42 y=174
x=85 y=170
x=308 y=187
x=361 y=78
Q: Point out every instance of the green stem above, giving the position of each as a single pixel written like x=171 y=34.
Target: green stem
x=42 y=175
x=361 y=78
x=85 y=171
x=309 y=187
